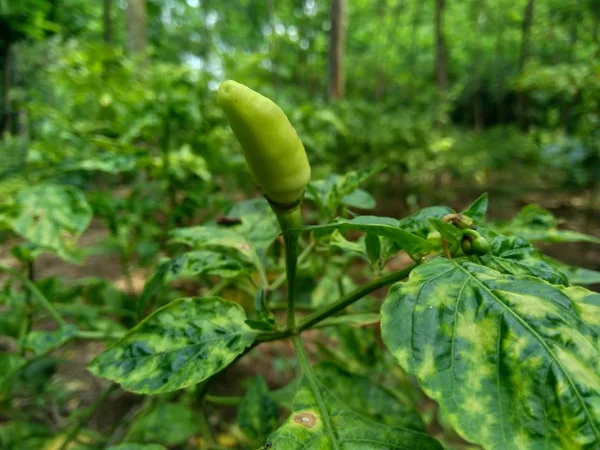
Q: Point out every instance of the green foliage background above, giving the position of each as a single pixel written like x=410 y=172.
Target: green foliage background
x=132 y=234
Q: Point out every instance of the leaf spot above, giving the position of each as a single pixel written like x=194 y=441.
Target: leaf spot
x=307 y=419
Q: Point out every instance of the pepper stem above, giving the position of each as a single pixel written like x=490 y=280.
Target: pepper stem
x=290 y=219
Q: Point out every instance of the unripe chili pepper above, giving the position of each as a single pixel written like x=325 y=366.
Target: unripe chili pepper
x=272 y=148
x=474 y=244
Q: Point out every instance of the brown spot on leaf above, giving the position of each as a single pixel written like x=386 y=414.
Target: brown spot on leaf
x=307 y=419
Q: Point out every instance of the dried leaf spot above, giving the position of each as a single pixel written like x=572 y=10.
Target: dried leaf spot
x=307 y=419
x=244 y=247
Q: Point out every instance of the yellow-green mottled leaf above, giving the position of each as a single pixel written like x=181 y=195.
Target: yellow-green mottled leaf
x=575 y=275
x=179 y=345
x=514 y=362
x=210 y=237
x=218 y=239
x=368 y=398
x=52 y=217
x=39 y=341
x=305 y=430
x=188 y=265
x=515 y=256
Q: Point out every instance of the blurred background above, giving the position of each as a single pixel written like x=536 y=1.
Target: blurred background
x=108 y=114
x=455 y=98
x=495 y=95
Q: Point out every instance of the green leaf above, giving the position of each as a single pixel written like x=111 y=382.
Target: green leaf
x=113 y=163
x=213 y=238
x=448 y=231
x=10 y=363
x=184 y=162
x=415 y=246
x=132 y=446
x=260 y=230
x=189 y=265
x=373 y=246
x=419 y=224
x=355 y=320
x=537 y=224
x=575 y=275
x=328 y=288
x=336 y=189
x=53 y=217
x=512 y=361
x=167 y=424
x=44 y=341
x=478 y=209
x=367 y=398
x=23 y=435
x=515 y=256
x=179 y=345
x=304 y=429
x=359 y=199
x=258 y=413
x=222 y=240
x=337 y=240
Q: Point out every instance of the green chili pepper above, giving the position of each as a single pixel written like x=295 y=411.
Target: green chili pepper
x=474 y=244
x=272 y=148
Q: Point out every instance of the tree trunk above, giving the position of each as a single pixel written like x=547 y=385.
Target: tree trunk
x=441 y=56
x=523 y=55
x=499 y=79
x=336 y=49
x=107 y=22
x=137 y=26
x=5 y=112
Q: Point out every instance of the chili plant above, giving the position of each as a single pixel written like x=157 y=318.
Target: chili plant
x=475 y=318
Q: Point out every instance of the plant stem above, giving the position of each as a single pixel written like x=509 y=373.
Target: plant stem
x=205 y=430
x=310 y=376
x=446 y=249
x=87 y=414
x=37 y=294
x=312 y=319
x=279 y=281
x=337 y=306
x=291 y=265
x=288 y=220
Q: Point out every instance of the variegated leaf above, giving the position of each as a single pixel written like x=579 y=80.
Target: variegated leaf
x=305 y=429
x=513 y=361
x=188 y=265
x=179 y=345
x=52 y=217
x=515 y=256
